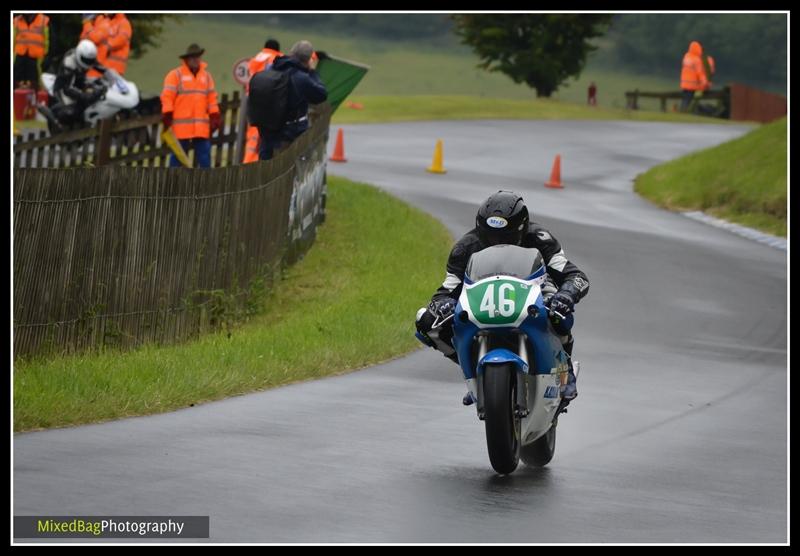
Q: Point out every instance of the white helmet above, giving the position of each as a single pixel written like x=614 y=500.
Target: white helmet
x=85 y=54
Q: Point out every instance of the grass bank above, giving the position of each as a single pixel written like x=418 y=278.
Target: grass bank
x=396 y=108
x=349 y=303
x=742 y=181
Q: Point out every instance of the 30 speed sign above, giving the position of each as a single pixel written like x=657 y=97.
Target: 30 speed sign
x=241 y=71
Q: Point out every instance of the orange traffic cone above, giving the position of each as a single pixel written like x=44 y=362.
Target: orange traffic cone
x=437 y=166
x=338 y=150
x=555 y=175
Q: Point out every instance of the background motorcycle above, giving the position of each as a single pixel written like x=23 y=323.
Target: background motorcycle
x=114 y=95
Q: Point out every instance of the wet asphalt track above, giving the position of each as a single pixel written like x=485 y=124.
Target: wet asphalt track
x=678 y=435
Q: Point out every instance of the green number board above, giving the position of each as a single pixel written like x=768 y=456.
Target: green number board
x=497 y=301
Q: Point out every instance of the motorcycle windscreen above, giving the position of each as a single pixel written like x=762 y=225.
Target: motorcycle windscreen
x=508 y=260
x=339 y=76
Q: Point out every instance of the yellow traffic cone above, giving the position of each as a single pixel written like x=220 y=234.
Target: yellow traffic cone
x=437 y=167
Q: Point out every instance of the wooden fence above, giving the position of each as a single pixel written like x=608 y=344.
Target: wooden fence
x=736 y=102
x=121 y=255
x=632 y=97
x=134 y=142
x=754 y=105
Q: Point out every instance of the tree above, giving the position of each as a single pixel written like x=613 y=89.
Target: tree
x=65 y=31
x=541 y=50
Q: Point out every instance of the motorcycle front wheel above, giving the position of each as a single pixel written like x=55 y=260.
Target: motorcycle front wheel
x=502 y=427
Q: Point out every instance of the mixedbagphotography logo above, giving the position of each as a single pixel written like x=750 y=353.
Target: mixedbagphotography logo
x=65 y=527
x=28 y=527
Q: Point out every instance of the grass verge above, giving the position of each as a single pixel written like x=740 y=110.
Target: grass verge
x=456 y=107
x=742 y=181
x=349 y=303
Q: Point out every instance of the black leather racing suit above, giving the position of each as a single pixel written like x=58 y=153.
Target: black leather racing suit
x=73 y=91
x=564 y=274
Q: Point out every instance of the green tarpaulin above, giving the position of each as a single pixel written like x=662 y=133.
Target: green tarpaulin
x=340 y=77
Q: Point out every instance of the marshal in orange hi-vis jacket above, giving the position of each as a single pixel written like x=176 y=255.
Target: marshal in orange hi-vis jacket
x=693 y=73
x=192 y=99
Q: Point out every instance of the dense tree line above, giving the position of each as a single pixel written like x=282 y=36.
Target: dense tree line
x=746 y=47
x=430 y=27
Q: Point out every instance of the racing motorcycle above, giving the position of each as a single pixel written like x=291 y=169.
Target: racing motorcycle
x=511 y=354
x=116 y=94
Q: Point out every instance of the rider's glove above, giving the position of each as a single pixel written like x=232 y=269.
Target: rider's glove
x=561 y=303
x=215 y=120
x=443 y=307
x=166 y=119
x=100 y=92
x=698 y=94
x=92 y=96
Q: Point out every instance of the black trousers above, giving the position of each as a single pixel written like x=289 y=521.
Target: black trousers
x=275 y=140
x=26 y=69
x=686 y=99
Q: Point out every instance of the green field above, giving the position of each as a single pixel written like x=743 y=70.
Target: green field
x=348 y=304
x=397 y=68
x=743 y=180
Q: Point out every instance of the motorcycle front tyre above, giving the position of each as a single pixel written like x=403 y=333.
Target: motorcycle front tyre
x=502 y=427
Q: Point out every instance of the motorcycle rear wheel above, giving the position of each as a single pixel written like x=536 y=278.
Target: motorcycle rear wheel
x=502 y=427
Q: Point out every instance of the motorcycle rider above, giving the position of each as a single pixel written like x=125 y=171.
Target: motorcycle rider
x=504 y=219
x=72 y=90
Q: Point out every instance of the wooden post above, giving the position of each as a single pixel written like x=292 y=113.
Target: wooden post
x=102 y=155
x=240 y=132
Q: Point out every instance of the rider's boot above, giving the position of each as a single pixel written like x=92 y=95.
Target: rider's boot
x=569 y=391
x=53 y=125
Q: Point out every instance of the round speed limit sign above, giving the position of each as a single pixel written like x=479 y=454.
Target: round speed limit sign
x=241 y=71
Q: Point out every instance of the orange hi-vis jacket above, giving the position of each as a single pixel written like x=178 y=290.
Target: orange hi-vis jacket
x=119 y=43
x=97 y=31
x=30 y=39
x=251 y=145
x=257 y=63
x=190 y=98
x=262 y=60
x=693 y=74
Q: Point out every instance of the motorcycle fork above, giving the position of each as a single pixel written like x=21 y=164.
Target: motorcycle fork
x=521 y=400
x=521 y=404
x=483 y=349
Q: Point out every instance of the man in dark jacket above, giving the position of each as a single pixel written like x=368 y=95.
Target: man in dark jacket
x=306 y=88
x=503 y=219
